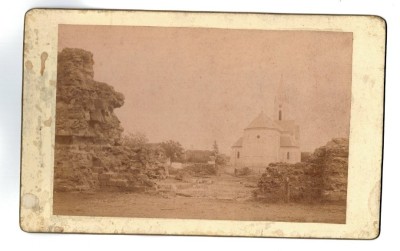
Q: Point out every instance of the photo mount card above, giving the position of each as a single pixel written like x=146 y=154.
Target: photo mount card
x=202 y=123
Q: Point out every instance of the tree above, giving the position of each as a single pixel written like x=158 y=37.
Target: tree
x=220 y=159
x=135 y=140
x=173 y=150
x=215 y=149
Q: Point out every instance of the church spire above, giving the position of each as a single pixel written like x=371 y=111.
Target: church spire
x=280 y=103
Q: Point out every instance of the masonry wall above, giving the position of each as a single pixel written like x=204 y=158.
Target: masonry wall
x=322 y=178
x=89 y=154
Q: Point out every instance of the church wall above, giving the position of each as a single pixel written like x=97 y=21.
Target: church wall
x=260 y=147
x=294 y=154
x=236 y=160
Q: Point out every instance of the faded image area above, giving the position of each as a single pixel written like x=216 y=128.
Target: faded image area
x=201 y=123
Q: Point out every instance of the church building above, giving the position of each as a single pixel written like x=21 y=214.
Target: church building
x=266 y=140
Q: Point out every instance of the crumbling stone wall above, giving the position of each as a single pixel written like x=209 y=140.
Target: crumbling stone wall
x=334 y=160
x=88 y=150
x=291 y=182
x=84 y=108
x=323 y=177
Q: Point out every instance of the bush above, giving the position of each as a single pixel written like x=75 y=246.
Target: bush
x=243 y=171
x=221 y=159
x=197 y=156
x=199 y=169
x=135 y=140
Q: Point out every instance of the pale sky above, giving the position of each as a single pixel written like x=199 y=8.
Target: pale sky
x=197 y=85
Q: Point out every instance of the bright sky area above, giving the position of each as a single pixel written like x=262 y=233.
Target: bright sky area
x=197 y=85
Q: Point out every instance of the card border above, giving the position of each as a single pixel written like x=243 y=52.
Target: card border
x=37 y=142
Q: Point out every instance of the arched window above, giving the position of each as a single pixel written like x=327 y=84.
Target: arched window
x=288 y=155
x=238 y=155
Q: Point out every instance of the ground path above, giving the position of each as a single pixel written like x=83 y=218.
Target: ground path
x=222 y=197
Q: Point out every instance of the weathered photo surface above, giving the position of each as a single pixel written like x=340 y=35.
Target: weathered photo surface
x=202 y=123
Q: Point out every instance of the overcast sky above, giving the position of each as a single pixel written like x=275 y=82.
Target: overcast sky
x=198 y=85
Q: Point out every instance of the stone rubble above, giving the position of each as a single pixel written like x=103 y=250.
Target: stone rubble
x=322 y=178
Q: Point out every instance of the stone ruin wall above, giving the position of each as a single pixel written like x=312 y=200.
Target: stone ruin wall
x=88 y=150
x=322 y=178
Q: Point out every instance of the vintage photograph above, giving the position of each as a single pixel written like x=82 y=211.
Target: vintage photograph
x=202 y=123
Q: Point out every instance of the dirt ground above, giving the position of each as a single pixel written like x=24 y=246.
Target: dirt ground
x=222 y=197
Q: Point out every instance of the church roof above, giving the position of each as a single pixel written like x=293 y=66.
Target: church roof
x=238 y=143
x=263 y=121
x=287 y=141
x=287 y=125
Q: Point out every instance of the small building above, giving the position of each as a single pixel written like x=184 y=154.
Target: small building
x=267 y=140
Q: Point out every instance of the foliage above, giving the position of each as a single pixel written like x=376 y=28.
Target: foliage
x=172 y=150
x=198 y=156
x=144 y=154
x=215 y=148
x=305 y=156
x=221 y=159
x=135 y=140
x=199 y=169
x=244 y=171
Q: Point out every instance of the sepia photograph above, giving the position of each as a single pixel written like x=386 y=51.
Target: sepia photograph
x=202 y=123
x=215 y=124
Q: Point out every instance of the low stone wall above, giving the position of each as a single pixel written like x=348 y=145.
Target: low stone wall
x=335 y=168
x=291 y=182
x=323 y=177
x=100 y=167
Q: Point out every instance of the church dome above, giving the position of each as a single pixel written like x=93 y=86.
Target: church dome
x=263 y=121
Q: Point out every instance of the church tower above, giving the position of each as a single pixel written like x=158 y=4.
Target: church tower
x=269 y=139
x=281 y=103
